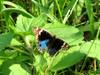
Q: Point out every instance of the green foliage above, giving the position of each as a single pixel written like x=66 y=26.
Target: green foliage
x=89 y=9
x=67 y=58
x=69 y=34
x=16 y=69
x=5 y=40
x=94 y=49
x=74 y=21
x=23 y=24
x=15 y=8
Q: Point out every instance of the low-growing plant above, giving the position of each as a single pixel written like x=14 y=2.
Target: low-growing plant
x=76 y=22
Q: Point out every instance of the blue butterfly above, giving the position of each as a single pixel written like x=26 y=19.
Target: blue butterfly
x=49 y=42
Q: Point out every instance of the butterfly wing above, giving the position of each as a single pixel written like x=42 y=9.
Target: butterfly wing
x=43 y=38
x=49 y=42
x=55 y=45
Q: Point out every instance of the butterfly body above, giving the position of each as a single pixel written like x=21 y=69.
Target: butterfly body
x=49 y=42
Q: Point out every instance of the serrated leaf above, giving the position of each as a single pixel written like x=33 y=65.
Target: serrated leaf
x=69 y=34
x=5 y=40
x=66 y=59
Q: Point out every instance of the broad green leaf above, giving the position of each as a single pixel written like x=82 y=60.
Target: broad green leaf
x=4 y=68
x=16 y=69
x=9 y=67
x=40 y=20
x=69 y=34
x=66 y=59
x=94 y=51
x=23 y=24
x=5 y=40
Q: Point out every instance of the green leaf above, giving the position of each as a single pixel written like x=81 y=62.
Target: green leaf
x=4 y=68
x=5 y=40
x=66 y=59
x=1 y=61
x=98 y=70
x=40 y=64
x=69 y=34
x=15 y=42
x=23 y=24
x=16 y=69
x=40 y=20
x=8 y=54
x=94 y=51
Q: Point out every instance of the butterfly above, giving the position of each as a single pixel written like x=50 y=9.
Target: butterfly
x=48 y=42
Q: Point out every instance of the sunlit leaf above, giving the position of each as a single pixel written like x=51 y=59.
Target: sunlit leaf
x=69 y=34
x=40 y=20
x=23 y=24
x=92 y=49
x=66 y=59
x=16 y=69
x=15 y=42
